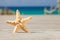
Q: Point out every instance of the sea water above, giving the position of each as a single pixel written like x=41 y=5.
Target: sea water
x=31 y=10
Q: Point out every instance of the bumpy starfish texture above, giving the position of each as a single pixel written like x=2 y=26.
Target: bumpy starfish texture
x=19 y=23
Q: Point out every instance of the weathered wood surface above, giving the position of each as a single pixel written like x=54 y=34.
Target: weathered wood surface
x=41 y=28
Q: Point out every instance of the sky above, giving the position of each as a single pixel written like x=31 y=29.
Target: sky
x=28 y=2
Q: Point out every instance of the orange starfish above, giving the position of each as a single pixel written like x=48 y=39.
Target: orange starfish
x=19 y=23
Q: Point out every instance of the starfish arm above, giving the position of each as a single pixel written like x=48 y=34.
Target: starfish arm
x=27 y=19
x=18 y=16
x=11 y=22
x=24 y=28
x=17 y=28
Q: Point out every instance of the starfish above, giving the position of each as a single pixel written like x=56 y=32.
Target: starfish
x=19 y=23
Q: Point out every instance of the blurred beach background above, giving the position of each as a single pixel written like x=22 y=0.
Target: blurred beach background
x=29 y=7
x=45 y=23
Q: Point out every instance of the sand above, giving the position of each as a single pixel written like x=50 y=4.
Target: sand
x=41 y=28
